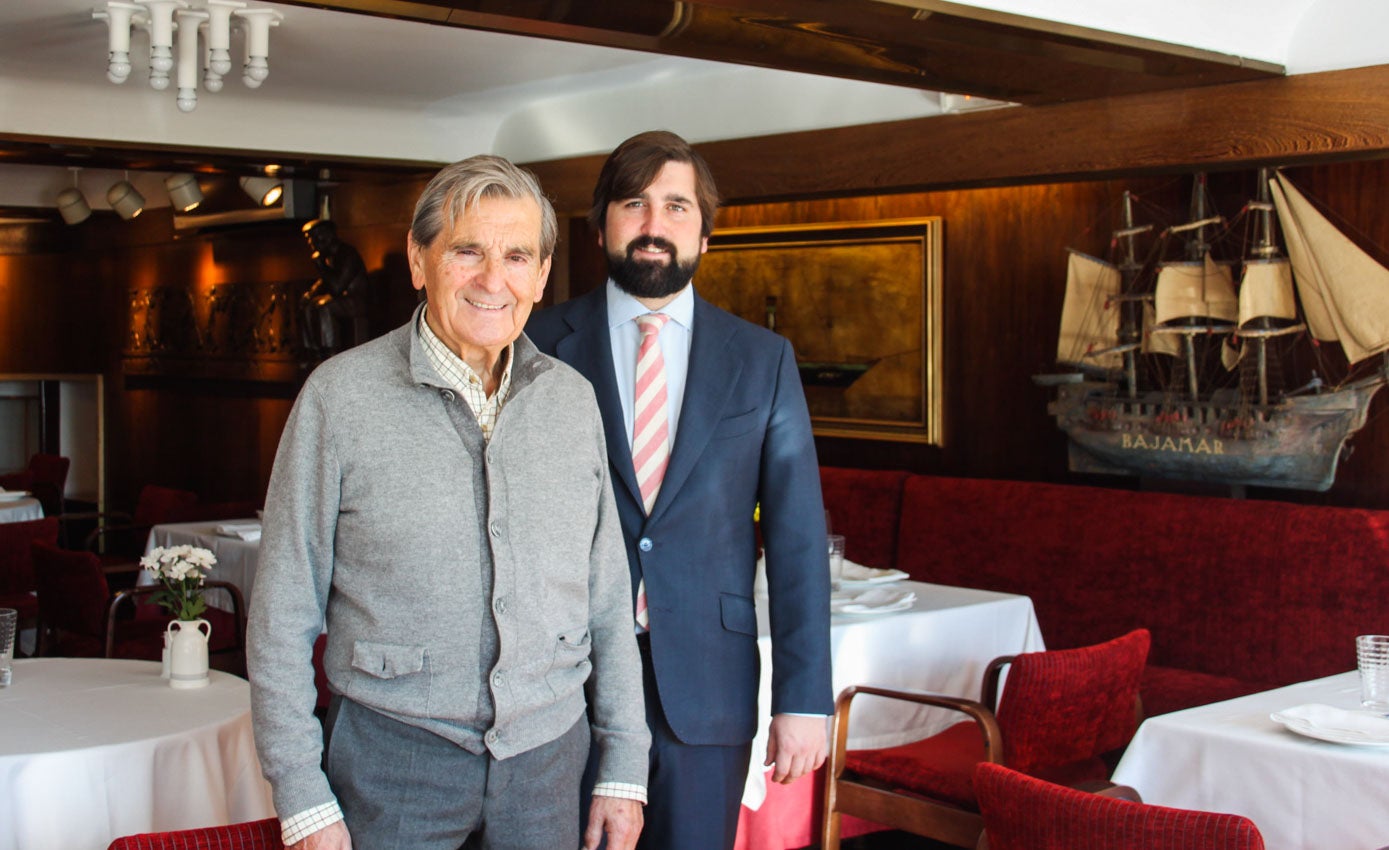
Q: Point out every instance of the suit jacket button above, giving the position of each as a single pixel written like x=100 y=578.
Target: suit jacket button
x=645 y=544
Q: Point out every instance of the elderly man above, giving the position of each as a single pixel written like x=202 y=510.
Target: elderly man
x=440 y=503
x=705 y=418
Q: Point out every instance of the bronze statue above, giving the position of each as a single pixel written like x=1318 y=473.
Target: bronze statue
x=334 y=309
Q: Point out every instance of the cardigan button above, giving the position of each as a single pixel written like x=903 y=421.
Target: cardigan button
x=645 y=544
x=447 y=394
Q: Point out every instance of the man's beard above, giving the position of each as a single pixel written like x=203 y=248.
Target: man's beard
x=648 y=279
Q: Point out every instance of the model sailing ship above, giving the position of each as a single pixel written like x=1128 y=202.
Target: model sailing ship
x=1178 y=376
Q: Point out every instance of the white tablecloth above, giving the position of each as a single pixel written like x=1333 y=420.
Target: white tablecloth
x=92 y=749
x=1303 y=794
x=941 y=645
x=236 y=558
x=20 y=510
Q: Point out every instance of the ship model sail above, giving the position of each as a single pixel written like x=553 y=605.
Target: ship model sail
x=1179 y=374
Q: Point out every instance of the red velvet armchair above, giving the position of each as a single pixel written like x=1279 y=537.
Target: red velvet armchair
x=17 y=586
x=1059 y=713
x=1024 y=813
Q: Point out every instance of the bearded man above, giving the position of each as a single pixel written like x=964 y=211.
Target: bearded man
x=705 y=418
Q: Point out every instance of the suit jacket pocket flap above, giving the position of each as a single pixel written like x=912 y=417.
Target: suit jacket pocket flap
x=738 y=613
x=737 y=424
x=385 y=660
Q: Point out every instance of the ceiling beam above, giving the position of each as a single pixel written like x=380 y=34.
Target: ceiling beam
x=1281 y=121
x=923 y=44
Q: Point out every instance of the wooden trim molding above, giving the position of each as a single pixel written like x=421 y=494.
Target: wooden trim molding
x=1299 y=119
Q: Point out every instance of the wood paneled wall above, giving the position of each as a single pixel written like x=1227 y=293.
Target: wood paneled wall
x=1004 y=278
x=63 y=308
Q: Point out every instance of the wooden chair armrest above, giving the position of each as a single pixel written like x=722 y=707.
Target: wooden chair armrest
x=121 y=568
x=1104 y=788
x=981 y=714
x=993 y=674
x=131 y=593
x=110 y=516
x=93 y=538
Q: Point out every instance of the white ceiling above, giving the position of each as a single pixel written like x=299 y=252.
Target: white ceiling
x=356 y=86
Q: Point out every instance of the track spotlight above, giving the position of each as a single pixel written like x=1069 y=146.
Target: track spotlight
x=125 y=200
x=184 y=192
x=263 y=190
x=72 y=204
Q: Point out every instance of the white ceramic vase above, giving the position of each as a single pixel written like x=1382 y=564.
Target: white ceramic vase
x=188 y=652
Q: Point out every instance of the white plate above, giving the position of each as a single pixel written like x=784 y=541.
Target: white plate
x=13 y=495
x=1304 y=720
x=872 y=602
x=857 y=575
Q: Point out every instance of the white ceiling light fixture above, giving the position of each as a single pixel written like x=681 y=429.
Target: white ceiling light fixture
x=184 y=192
x=72 y=204
x=118 y=16
x=218 y=63
x=125 y=199
x=188 y=20
x=161 y=29
x=259 y=22
x=263 y=190
x=217 y=20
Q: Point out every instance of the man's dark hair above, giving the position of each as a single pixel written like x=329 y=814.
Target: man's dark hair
x=634 y=165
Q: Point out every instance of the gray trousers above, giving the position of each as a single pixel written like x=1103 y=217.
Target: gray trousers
x=400 y=786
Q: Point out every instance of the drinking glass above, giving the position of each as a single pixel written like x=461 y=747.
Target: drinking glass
x=1372 y=657
x=836 y=553
x=9 y=619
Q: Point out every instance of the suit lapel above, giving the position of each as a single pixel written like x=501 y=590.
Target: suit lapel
x=589 y=350
x=713 y=373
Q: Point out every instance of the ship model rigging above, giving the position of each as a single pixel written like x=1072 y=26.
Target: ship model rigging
x=1176 y=373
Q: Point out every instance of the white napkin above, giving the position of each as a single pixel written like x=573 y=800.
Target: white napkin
x=1372 y=727
x=878 y=600
x=858 y=572
x=239 y=530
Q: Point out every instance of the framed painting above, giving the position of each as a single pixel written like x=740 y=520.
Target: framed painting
x=861 y=304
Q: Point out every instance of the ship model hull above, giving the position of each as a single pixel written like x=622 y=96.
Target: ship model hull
x=1294 y=444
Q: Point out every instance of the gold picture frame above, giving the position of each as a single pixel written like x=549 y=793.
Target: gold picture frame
x=861 y=304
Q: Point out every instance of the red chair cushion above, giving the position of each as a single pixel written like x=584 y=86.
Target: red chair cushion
x=1023 y=813
x=254 y=835
x=942 y=767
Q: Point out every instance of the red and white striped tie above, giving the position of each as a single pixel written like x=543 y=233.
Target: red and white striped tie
x=650 y=427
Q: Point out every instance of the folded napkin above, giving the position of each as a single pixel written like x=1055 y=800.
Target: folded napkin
x=874 y=575
x=1352 y=726
x=241 y=530
x=878 y=600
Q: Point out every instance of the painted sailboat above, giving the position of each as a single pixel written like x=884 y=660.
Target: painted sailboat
x=1176 y=372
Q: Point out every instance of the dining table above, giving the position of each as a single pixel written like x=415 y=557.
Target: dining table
x=237 y=550
x=19 y=508
x=92 y=749
x=1302 y=792
x=942 y=643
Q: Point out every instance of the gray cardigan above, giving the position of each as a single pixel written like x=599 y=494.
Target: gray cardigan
x=475 y=589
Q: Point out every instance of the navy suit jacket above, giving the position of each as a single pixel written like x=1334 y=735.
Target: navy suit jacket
x=743 y=438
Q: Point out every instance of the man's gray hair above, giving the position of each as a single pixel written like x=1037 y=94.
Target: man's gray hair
x=459 y=187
